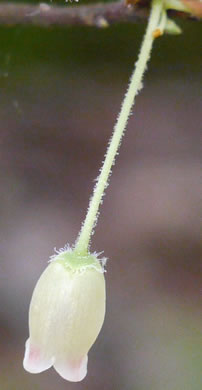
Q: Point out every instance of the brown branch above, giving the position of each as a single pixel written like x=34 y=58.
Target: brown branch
x=99 y=15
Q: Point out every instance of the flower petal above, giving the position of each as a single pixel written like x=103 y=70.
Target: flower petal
x=34 y=361
x=73 y=371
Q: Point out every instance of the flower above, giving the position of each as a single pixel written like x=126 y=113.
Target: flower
x=66 y=314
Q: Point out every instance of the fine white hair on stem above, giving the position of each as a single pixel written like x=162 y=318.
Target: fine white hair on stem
x=135 y=85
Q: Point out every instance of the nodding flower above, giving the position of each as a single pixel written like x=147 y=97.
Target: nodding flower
x=66 y=314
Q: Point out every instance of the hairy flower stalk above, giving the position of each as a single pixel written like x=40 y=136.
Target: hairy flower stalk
x=134 y=87
x=68 y=304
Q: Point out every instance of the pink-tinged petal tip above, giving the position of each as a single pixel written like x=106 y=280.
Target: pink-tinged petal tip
x=34 y=361
x=73 y=371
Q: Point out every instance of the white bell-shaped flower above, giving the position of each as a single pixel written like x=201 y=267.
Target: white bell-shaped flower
x=66 y=314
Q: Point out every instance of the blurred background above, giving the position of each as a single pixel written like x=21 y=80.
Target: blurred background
x=61 y=90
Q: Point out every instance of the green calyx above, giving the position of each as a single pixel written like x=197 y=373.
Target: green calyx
x=176 y=5
x=75 y=261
